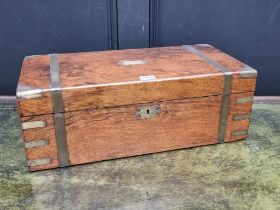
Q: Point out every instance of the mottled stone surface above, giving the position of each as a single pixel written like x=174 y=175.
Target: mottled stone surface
x=241 y=175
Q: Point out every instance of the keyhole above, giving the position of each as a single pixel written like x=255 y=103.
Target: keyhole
x=148 y=111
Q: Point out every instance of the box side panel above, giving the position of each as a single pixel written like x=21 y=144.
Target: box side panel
x=33 y=94
x=243 y=85
x=238 y=121
x=103 y=134
x=38 y=133
x=39 y=105
x=244 y=77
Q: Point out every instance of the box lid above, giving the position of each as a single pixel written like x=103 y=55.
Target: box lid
x=90 y=80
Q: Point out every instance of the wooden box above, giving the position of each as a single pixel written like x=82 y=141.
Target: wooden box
x=86 y=107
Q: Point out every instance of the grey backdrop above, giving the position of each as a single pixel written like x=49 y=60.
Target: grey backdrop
x=246 y=29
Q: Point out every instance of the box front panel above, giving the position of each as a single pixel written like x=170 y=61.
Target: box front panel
x=95 y=135
x=102 y=134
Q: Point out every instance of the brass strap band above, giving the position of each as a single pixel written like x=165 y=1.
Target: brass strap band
x=55 y=84
x=226 y=90
x=58 y=109
x=61 y=140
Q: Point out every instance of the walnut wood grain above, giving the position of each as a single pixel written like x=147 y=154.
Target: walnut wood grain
x=102 y=134
x=98 y=68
